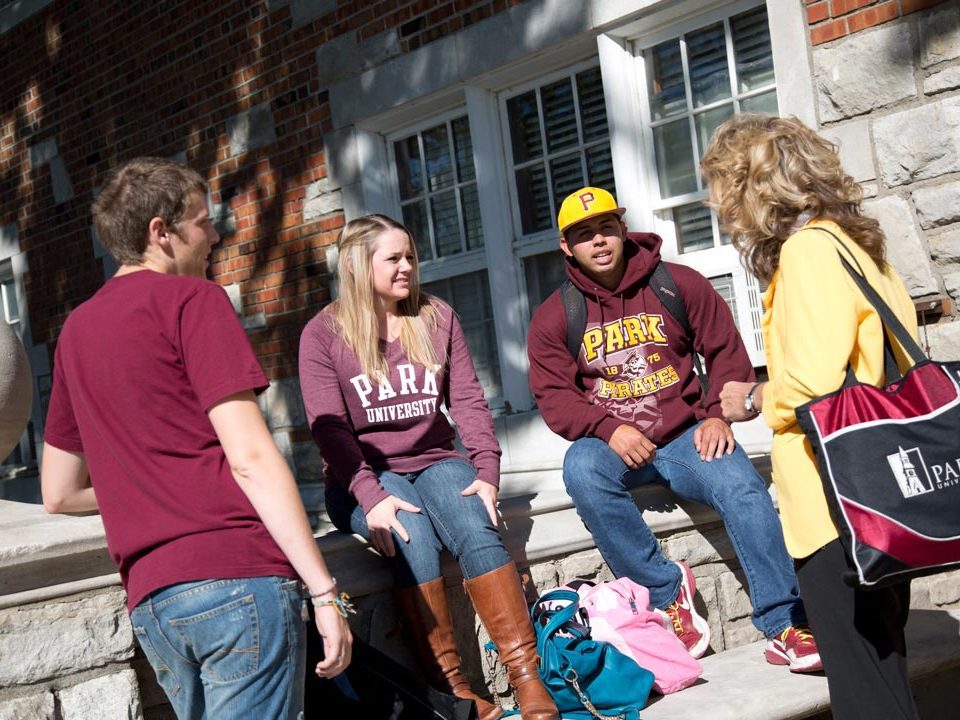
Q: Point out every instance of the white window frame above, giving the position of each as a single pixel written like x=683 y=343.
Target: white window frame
x=545 y=240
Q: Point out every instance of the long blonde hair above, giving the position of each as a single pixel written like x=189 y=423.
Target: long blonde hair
x=764 y=172
x=356 y=319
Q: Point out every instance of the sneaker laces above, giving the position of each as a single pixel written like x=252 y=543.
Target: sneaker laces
x=673 y=612
x=803 y=632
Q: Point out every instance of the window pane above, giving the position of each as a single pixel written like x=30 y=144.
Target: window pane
x=567 y=173
x=446 y=223
x=524 y=127
x=544 y=274
x=593 y=109
x=707 y=59
x=11 y=310
x=559 y=116
x=762 y=103
x=751 y=49
x=667 y=94
x=600 y=168
x=723 y=284
x=675 y=158
x=469 y=295
x=436 y=147
x=471 y=217
x=709 y=121
x=409 y=167
x=694 y=229
x=415 y=218
x=464 y=149
x=533 y=199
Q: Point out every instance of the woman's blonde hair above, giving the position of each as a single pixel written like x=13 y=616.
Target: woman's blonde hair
x=354 y=311
x=764 y=172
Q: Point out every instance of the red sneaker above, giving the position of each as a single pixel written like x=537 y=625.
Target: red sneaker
x=795 y=647
x=691 y=628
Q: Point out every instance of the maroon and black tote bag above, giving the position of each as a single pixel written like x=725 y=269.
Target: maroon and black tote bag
x=889 y=459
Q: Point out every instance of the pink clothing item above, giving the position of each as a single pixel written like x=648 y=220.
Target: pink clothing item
x=635 y=365
x=619 y=613
x=364 y=427
x=136 y=368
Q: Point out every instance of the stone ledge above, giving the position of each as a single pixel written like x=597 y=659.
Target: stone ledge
x=739 y=684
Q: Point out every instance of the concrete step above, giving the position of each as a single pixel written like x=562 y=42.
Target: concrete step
x=738 y=684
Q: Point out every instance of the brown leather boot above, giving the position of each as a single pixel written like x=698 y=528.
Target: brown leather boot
x=426 y=616
x=499 y=601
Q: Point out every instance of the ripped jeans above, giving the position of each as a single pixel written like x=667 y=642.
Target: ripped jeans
x=227 y=649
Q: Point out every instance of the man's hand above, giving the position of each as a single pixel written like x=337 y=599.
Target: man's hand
x=382 y=518
x=713 y=438
x=632 y=446
x=337 y=641
x=488 y=494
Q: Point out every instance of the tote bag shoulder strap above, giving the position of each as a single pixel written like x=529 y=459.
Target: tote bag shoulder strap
x=889 y=319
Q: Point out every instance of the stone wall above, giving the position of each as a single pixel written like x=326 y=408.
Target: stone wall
x=896 y=120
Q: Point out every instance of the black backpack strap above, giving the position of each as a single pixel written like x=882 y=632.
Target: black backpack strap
x=664 y=287
x=576 y=309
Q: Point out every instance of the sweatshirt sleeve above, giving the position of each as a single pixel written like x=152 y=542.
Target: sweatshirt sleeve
x=715 y=333
x=553 y=378
x=819 y=310
x=467 y=405
x=329 y=417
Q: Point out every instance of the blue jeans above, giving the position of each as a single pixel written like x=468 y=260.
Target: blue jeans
x=446 y=518
x=225 y=649
x=598 y=481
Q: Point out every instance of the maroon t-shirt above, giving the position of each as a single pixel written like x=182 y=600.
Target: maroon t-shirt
x=136 y=368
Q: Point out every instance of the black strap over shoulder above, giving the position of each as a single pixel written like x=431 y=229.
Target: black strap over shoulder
x=663 y=286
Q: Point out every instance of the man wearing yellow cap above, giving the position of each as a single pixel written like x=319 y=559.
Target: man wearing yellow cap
x=612 y=367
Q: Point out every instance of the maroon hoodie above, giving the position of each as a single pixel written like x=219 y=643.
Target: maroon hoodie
x=635 y=365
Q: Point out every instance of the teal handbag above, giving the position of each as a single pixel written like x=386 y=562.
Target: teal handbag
x=587 y=678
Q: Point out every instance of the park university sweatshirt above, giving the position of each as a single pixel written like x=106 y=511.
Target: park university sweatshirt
x=635 y=364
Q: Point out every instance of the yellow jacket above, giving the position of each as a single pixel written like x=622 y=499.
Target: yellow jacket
x=816 y=322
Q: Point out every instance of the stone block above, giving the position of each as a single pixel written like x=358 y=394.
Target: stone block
x=944 y=340
x=847 y=86
x=254 y=322
x=938 y=204
x=544 y=576
x=233 y=292
x=944 y=589
x=587 y=565
x=945 y=246
x=224 y=221
x=733 y=600
x=251 y=129
x=707 y=603
x=34 y=707
x=919 y=144
x=43 y=152
x=283 y=405
x=904 y=247
x=309 y=464
x=699 y=547
x=940 y=34
x=60 y=179
x=343 y=57
x=9 y=240
x=946 y=79
x=856 y=153
x=39 y=642
x=951 y=282
x=114 y=696
x=322 y=198
x=739 y=632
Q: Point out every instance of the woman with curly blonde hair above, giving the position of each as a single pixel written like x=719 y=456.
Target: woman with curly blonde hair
x=378 y=368
x=779 y=190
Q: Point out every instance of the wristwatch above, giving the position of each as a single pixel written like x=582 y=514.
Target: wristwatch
x=748 y=400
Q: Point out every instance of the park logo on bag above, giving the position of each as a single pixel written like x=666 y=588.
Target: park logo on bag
x=905 y=464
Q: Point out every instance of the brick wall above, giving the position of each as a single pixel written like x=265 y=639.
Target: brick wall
x=232 y=87
x=832 y=19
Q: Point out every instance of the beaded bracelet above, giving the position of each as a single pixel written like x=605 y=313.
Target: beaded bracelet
x=331 y=589
x=341 y=602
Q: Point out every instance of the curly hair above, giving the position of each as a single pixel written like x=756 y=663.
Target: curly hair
x=763 y=172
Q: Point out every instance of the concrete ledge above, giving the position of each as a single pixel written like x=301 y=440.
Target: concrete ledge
x=738 y=684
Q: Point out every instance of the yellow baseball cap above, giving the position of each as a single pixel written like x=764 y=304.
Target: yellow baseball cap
x=586 y=203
